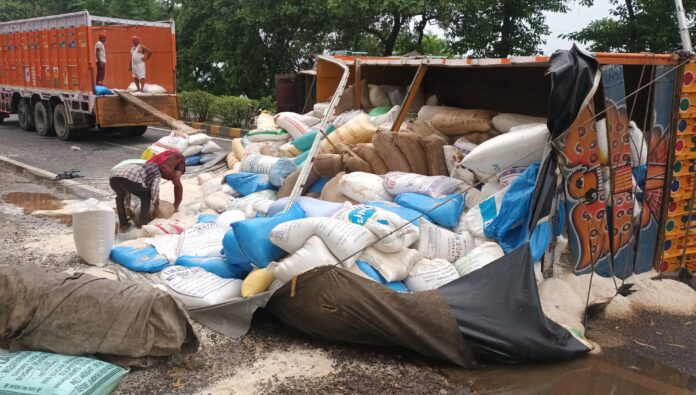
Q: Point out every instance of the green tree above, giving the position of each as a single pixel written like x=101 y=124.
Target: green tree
x=386 y=21
x=484 y=28
x=636 y=26
x=15 y=9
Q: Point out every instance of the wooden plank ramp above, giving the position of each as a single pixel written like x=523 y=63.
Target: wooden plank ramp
x=167 y=120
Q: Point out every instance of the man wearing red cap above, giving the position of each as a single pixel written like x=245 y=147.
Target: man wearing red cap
x=172 y=166
x=100 y=53
x=139 y=55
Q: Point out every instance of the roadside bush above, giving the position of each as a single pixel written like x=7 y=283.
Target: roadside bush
x=196 y=105
x=234 y=111
x=267 y=103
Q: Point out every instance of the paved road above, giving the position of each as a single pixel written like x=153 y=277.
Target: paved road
x=98 y=151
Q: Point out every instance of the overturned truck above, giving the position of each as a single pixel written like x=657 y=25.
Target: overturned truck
x=612 y=175
x=427 y=203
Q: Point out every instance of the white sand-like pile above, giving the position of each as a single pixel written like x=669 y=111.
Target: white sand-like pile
x=278 y=365
x=563 y=297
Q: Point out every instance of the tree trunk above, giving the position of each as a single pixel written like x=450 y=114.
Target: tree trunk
x=505 y=44
x=390 y=42
x=634 y=46
x=420 y=29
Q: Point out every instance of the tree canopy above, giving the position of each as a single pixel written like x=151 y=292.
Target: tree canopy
x=636 y=26
x=237 y=46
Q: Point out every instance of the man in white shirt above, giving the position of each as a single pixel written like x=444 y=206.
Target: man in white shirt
x=101 y=58
x=139 y=55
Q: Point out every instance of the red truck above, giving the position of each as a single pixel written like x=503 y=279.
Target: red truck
x=48 y=70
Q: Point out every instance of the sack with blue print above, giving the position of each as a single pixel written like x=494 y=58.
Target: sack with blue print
x=372 y=273
x=203 y=218
x=404 y=212
x=233 y=253
x=252 y=236
x=215 y=265
x=444 y=211
x=248 y=183
x=193 y=160
x=280 y=170
x=312 y=207
x=318 y=186
x=144 y=259
x=510 y=225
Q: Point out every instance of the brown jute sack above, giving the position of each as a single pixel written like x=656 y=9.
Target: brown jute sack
x=332 y=191
x=290 y=181
x=367 y=152
x=432 y=145
x=352 y=161
x=457 y=121
x=357 y=130
x=422 y=128
x=328 y=165
x=409 y=145
x=386 y=148
x=347 y=100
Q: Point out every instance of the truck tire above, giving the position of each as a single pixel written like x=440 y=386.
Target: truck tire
x=63 y=129
x=25 y=115
x=133 y=131
x=43 y=118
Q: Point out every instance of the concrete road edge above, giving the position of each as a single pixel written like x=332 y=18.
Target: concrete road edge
x=79 y=188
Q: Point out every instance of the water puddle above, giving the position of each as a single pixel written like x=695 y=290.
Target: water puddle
x=31 y=202
x=612 y=372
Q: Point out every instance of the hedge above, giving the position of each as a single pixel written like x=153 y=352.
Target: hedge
x=232 y=111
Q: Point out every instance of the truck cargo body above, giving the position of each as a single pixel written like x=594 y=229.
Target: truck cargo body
x=48 y=70
x=658 y=93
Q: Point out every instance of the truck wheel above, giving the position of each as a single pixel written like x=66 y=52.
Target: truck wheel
x=64 y=130
x=134 y=131
x=43 y=119
x=24 y=113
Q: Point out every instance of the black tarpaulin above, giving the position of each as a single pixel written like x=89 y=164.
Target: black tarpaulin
x=499 y=314
x=574 y=79
x=332 y=303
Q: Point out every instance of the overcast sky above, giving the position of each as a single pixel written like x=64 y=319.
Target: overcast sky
x=577 y=18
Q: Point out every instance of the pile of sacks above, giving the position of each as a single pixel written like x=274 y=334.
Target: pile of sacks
x=198 y=148
x=411 y=210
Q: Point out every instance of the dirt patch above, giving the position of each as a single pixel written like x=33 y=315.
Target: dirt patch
x=662 y=337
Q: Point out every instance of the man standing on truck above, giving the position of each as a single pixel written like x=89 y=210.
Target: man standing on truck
x=139 y=55
x=141 y=180
x=172 y=166
x=100 y=52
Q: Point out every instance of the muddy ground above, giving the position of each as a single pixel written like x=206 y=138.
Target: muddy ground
x=278 y=360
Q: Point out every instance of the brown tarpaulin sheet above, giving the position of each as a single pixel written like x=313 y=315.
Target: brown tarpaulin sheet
x=332 y=303
x=123 y=322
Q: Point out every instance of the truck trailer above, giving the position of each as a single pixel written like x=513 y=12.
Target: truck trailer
x=48 y=70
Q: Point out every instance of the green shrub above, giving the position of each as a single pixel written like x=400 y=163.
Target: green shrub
x=267 y=103
x=196 y=105
x=234 y=111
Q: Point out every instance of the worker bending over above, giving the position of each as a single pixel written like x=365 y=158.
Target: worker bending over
x=141 y=180
x=172 y=166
